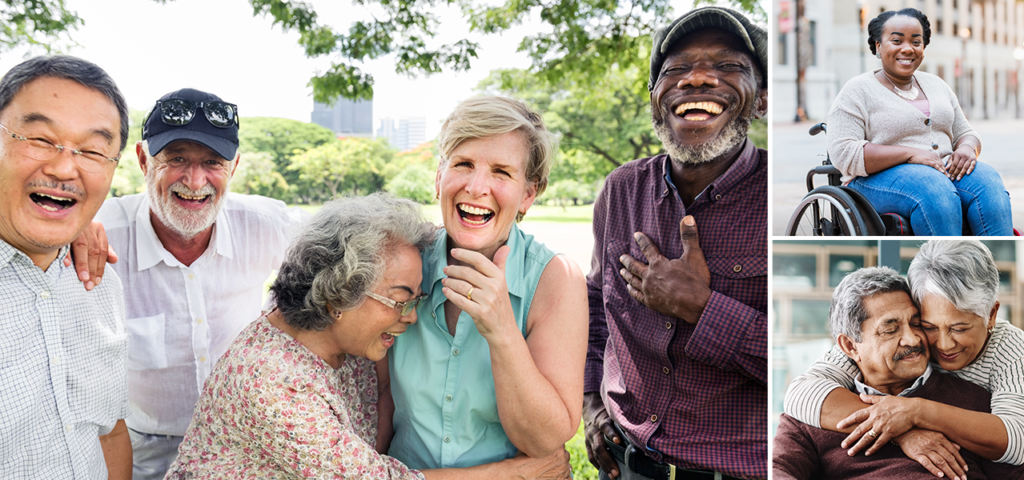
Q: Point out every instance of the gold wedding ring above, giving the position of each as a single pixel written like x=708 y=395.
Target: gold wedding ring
x=872 y=433
x=469 y=294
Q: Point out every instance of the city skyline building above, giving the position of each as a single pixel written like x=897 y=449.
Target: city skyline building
x=346 y=118
x=406 y=134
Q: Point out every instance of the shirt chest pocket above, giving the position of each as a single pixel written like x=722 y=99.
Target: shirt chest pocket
x=737 y=268
x=146 y=348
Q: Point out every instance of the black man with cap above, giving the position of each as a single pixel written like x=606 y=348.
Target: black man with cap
x=676 y=369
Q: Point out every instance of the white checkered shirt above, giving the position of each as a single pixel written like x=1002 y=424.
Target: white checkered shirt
x=63 y=355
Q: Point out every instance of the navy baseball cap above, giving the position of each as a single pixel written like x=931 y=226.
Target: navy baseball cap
x=158 y=134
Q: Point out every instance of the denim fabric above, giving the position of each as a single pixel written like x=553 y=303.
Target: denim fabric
x=937 y=206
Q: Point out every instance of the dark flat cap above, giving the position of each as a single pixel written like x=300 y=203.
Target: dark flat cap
x=753 y=36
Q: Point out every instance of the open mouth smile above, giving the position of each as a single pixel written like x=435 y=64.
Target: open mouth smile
x=474 y=215
x=52 y=203
x=698 y=111
x=191 y=199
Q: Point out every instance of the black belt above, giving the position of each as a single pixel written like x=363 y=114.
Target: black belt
x=640 y=463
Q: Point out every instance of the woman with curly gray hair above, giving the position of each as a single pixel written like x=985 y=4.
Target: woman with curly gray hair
x=956 y=287
x=296 y=394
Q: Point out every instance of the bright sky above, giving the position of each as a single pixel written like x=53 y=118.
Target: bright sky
x=218 y=46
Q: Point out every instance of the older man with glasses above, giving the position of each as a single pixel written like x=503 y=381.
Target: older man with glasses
x=194 y=258
x=63 y=391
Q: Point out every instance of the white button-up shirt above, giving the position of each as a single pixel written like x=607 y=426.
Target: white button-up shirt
x=62 y=369
x=182 y=318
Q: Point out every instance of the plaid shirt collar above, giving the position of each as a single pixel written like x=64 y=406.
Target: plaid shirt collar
x=737 y=172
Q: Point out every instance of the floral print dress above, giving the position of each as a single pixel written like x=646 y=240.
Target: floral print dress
x=271 y=409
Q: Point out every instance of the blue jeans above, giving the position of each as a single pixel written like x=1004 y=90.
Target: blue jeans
x=936 y=205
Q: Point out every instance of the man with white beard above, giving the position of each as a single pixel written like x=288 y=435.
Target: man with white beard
x=193 y=259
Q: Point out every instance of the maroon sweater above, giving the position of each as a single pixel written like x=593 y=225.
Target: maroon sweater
x=803 y=452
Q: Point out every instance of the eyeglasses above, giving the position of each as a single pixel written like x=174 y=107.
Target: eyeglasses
x=180 y=112
x=404 y=307
x=43 y=150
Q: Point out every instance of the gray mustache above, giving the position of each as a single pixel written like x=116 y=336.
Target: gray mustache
x=907 y=352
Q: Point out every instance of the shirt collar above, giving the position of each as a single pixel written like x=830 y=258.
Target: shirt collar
x=149 y=250
x=8 y=252
x=862 y=388
x=743 y=166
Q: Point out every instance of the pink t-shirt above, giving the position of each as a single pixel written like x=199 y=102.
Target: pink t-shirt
x=921 y=105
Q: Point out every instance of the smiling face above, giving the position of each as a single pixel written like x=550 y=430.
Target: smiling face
x=892 y=352
x=370 y=330
x=705 y=97
x=46 y=204
x=187 y=184
x=955 y=337
x=482 y=187
x=901 y=47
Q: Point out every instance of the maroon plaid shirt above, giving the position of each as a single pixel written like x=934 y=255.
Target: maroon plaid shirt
x=694 y=396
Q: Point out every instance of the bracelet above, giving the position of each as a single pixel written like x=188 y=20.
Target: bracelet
x=973 y=147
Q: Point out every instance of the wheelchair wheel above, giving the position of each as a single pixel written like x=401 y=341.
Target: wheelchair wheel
x=827 y=211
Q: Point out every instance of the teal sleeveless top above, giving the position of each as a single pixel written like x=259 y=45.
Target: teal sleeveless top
x=446 y=413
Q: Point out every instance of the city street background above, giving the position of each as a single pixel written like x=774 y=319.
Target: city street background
x=794 y=152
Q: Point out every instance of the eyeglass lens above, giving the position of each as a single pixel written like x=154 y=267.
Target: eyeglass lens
x=181 y=112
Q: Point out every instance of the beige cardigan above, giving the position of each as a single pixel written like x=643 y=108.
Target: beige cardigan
x=865 y=111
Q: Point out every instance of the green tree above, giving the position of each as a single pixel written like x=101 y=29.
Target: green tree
x=36 y=23
x=410 y=174
x=257 y=174
x=280 y=137
x=353 y=164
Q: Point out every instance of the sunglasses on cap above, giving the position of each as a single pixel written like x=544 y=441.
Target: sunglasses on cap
x=180 y=112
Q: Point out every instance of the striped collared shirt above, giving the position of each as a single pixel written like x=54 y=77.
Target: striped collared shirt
x=63 y=382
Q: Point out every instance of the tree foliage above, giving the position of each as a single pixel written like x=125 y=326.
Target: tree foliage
x=349 y=164
x=36 y=23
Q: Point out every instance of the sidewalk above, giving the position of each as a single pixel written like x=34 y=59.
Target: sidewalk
x=794 y=152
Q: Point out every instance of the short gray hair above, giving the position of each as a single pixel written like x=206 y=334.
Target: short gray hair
x=340 y=254
x=847 y=312
x=84 y=72
x=488 y=116
x=960 y=271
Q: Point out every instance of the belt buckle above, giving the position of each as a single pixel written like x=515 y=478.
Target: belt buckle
x=671 y=472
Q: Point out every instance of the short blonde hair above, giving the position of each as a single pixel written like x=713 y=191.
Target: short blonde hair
x=488 y=116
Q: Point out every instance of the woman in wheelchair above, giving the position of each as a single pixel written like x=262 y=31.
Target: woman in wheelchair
x=899 y=137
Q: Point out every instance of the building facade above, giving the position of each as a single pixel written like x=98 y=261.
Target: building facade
x=408 y=133
x=346 y=118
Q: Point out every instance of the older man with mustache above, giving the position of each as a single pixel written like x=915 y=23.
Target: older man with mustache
x=874 y=322
x=193 y=260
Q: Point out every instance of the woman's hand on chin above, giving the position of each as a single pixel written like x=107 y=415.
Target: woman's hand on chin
x=479 y=289
x=927 y=157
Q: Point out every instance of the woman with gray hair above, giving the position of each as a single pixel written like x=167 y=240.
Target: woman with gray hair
x=496 y=367
x=956 y=286
x=296 y=395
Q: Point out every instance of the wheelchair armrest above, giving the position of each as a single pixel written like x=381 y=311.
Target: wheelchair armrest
x=830 y=171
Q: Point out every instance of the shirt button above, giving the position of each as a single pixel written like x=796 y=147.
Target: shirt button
x=668 y=325
x=447 y=439
x=455 y=352
x=44 y=295
x=737 y=268
x=191 y=276
x=927 y=121
x=666 y=370
x=664 y=193
x=448 y=398
x=654 y=418
x=56 y=360
x=718 y=197
x=199 y=320
x=202 y=359
x=935 y=146
x=67 y=428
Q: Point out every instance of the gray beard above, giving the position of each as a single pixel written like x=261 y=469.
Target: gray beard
x=184 y=223
x=730 y=137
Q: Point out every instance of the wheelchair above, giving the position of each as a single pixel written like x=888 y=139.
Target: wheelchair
x=837 y=210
